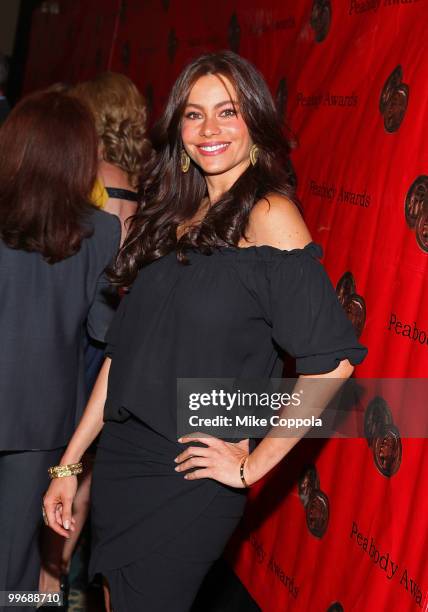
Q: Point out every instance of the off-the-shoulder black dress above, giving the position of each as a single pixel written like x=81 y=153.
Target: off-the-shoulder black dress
x=222 y=316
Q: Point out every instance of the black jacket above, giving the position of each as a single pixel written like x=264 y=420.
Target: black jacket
x=43 y=311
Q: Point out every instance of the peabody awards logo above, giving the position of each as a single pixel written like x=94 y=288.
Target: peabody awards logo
x=234 y=33
x=416 y=210
x=394 y=100
x=353 y=303
x=384 y=562
x=314 y=501
x=383 y=437
x=321 y=19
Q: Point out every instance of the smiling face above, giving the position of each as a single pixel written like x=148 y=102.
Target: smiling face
x=213 y=130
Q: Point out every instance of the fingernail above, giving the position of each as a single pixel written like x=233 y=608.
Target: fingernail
x=66 y=524
x=185 y=476
x=177 y=468
x=176 y=459
x=180 y=439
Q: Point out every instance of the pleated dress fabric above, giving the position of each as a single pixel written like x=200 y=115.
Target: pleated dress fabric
x=228 y=314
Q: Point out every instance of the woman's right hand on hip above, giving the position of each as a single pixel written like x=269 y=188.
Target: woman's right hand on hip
x=57 y=505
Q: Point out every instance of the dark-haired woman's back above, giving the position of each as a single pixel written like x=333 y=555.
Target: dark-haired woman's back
x=42 y=315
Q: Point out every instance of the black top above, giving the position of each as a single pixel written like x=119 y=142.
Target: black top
x=226 y=315
x=42 y=314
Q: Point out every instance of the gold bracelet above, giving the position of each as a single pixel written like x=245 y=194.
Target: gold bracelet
x=241 y=471
x=71 y=469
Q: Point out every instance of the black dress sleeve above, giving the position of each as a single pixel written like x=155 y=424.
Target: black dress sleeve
x=307 y=319
x=114 y=330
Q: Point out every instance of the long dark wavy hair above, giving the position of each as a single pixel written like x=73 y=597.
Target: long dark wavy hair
x=48 y=166
x=169 y=197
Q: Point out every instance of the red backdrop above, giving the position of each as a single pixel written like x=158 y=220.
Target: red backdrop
x=351 y=76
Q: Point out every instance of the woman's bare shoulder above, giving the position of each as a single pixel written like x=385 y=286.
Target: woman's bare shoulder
x=276 y=221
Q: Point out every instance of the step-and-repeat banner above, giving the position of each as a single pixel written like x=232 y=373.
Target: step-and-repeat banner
x=340 y=524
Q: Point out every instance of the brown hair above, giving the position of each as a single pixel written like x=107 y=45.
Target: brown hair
x=48 y=165
x=120 y=116
x=169 y=196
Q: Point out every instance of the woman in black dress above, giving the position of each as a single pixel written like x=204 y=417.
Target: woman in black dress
x=224 y=275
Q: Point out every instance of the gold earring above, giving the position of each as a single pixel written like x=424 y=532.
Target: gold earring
x=185 y=161
x=254 y=153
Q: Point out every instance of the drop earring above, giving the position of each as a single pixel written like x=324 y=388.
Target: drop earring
x=254 y=154
x=185 y=161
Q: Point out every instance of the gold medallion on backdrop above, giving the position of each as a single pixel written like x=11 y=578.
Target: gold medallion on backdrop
x=317 y=513
x=396 y=108
x=355 y=308
x=387 y=451
x=315 y=501
x=416 y=200
x=391 y=84
x=416 y=210
x=422 y=231
x=308 y=482
x=383 y=437
x=376 y=417
x=321 y=19
x=394 y=100
x=353 y=303
x=345 y=287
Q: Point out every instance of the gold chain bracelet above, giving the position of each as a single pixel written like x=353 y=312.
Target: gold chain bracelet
x=71 y=469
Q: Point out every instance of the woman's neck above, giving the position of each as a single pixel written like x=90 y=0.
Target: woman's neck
x=218 y=184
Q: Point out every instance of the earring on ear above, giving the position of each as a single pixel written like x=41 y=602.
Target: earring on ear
x=185 y=161
x=254 y=154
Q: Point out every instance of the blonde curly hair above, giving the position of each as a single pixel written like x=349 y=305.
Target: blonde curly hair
x=120 y=115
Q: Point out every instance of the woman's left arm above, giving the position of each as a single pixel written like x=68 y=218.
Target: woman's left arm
x=276 y=444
